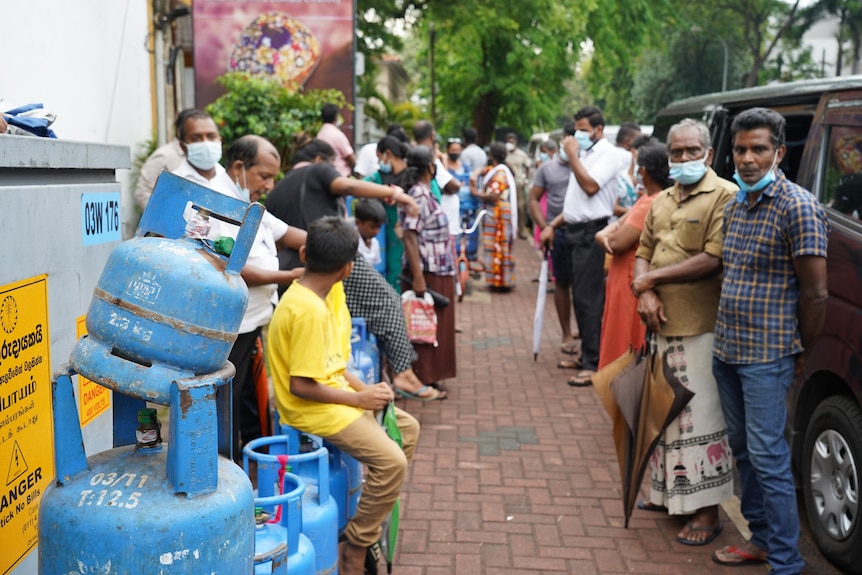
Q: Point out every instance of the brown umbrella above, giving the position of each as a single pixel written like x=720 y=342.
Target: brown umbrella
x=642 y=397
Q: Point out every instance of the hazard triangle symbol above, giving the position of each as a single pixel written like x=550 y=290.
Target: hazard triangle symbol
x=17 y=465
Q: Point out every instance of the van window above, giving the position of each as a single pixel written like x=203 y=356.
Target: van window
x=842 y=176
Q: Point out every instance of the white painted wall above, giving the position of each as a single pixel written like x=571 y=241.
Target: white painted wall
x=86 y=61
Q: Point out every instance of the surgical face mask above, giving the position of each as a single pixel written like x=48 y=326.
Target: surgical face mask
x=203 y=155
x=564 y=157
x=688 y=173
x=454 y=157
x=767 y=178
x=584 y=139
x=544 y=157
x=385 y=168
x=243 y=190
x=510 y=147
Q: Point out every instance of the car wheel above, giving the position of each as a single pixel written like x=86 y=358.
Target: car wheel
x=830 y=470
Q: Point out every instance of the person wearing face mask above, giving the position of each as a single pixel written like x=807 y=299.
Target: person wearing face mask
x=549 y=186
x=519 y=162
x=622 y=328
x=592 y=192
x=467 y=203
x=677 y=280
x=202 y=147
x=430 y=263
x=772 y=306
x=390 y=171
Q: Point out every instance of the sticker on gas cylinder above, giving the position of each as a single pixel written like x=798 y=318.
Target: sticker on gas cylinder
x=93 y=399
x=100 y=218
x=26 y=435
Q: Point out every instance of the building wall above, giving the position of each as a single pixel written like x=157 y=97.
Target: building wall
x=86 y=61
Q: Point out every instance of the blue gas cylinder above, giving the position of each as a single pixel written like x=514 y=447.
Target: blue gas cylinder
x=319 y=510
x=345 y=474
x=144 y=507
x=364 y=364
x=269 y=538
x=166 y=302
x=135 y=508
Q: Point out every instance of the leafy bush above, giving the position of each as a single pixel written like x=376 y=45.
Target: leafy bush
x=265 y=107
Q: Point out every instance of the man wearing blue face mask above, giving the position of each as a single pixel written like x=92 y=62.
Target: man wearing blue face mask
x=772 y=306
x=590 y=197
x=677 y=280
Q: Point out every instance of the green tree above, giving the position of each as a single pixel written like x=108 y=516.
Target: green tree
x=849 y=14
x=503 y=63
x=265 y=107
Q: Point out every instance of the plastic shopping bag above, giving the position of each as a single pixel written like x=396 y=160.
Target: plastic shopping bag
x=420 y=317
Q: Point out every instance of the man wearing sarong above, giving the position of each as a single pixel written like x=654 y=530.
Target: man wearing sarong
x=677 y=280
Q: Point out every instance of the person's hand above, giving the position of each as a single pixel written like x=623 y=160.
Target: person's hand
x=642 y=284
x=3 y=125
x=546 y=237
x=403 y=198
x=375 y=397
x=419 y=286
x=570 y=144
x=295 y=274
x=651 y=311
x=604 y=240
x=799 y=366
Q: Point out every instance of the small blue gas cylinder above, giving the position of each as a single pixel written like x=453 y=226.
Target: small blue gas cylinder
x=167 y=306
x=269 y=538
x=362 y=360
x=319 y=510
x=345 y=474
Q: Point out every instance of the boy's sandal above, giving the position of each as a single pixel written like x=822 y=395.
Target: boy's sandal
x=423 y=394
x=571 y=347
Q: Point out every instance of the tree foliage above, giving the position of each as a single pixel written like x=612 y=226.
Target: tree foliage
x=504 y=62
x=265 y=107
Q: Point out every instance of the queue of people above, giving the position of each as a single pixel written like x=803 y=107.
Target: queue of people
x=725 y=279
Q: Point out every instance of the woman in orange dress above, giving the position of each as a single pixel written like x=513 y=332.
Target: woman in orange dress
x=621 y=325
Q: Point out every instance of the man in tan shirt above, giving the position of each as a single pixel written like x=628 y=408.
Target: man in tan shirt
x=677 y=280
x=519 y=162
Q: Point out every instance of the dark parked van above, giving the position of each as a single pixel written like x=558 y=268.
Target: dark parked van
x=824 y=154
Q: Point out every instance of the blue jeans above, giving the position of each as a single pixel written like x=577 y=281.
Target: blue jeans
x=752 y=399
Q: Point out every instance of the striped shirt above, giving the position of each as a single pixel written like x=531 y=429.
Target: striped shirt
x=757 y=313
x=432 y=230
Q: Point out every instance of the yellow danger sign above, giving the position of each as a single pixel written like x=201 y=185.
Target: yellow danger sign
x=93 y=399
x=26 y=434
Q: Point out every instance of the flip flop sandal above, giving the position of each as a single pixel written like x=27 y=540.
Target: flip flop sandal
x=645 y=505
x=713 y=533
x=733 y=550
x=437 y=395
x=569 y=364
x=583 y=379
x=570 y=348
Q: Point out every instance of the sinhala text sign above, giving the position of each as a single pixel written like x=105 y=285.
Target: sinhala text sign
x=26 y=436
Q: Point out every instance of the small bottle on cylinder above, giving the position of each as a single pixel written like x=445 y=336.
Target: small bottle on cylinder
x=148 y=433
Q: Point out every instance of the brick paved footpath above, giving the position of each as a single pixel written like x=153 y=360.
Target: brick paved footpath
x=516 y=471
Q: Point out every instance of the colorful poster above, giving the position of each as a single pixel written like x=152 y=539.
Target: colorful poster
x=26 y=434
x=93 y=399
x=301 y=42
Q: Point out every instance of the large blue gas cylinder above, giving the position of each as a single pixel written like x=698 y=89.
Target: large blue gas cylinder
x=270 y=539
x=319 y=510
x=345 y=474
x=143 y=507
x=363 y=356
x=167 y=306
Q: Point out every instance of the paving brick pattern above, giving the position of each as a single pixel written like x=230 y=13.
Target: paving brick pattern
x=516 y=472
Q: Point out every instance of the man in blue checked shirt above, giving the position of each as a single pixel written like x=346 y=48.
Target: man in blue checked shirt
x=772 y=306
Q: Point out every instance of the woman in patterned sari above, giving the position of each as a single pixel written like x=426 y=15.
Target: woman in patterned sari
x=495 y=186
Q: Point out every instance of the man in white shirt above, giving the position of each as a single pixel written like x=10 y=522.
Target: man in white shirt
x=589 y=202
x=253 y=162
x=444 y=186
x=473 y=156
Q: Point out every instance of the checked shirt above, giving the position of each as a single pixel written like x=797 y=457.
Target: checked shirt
x=757 y=313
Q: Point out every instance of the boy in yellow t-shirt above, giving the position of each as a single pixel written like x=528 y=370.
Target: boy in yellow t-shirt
x=308 y=348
